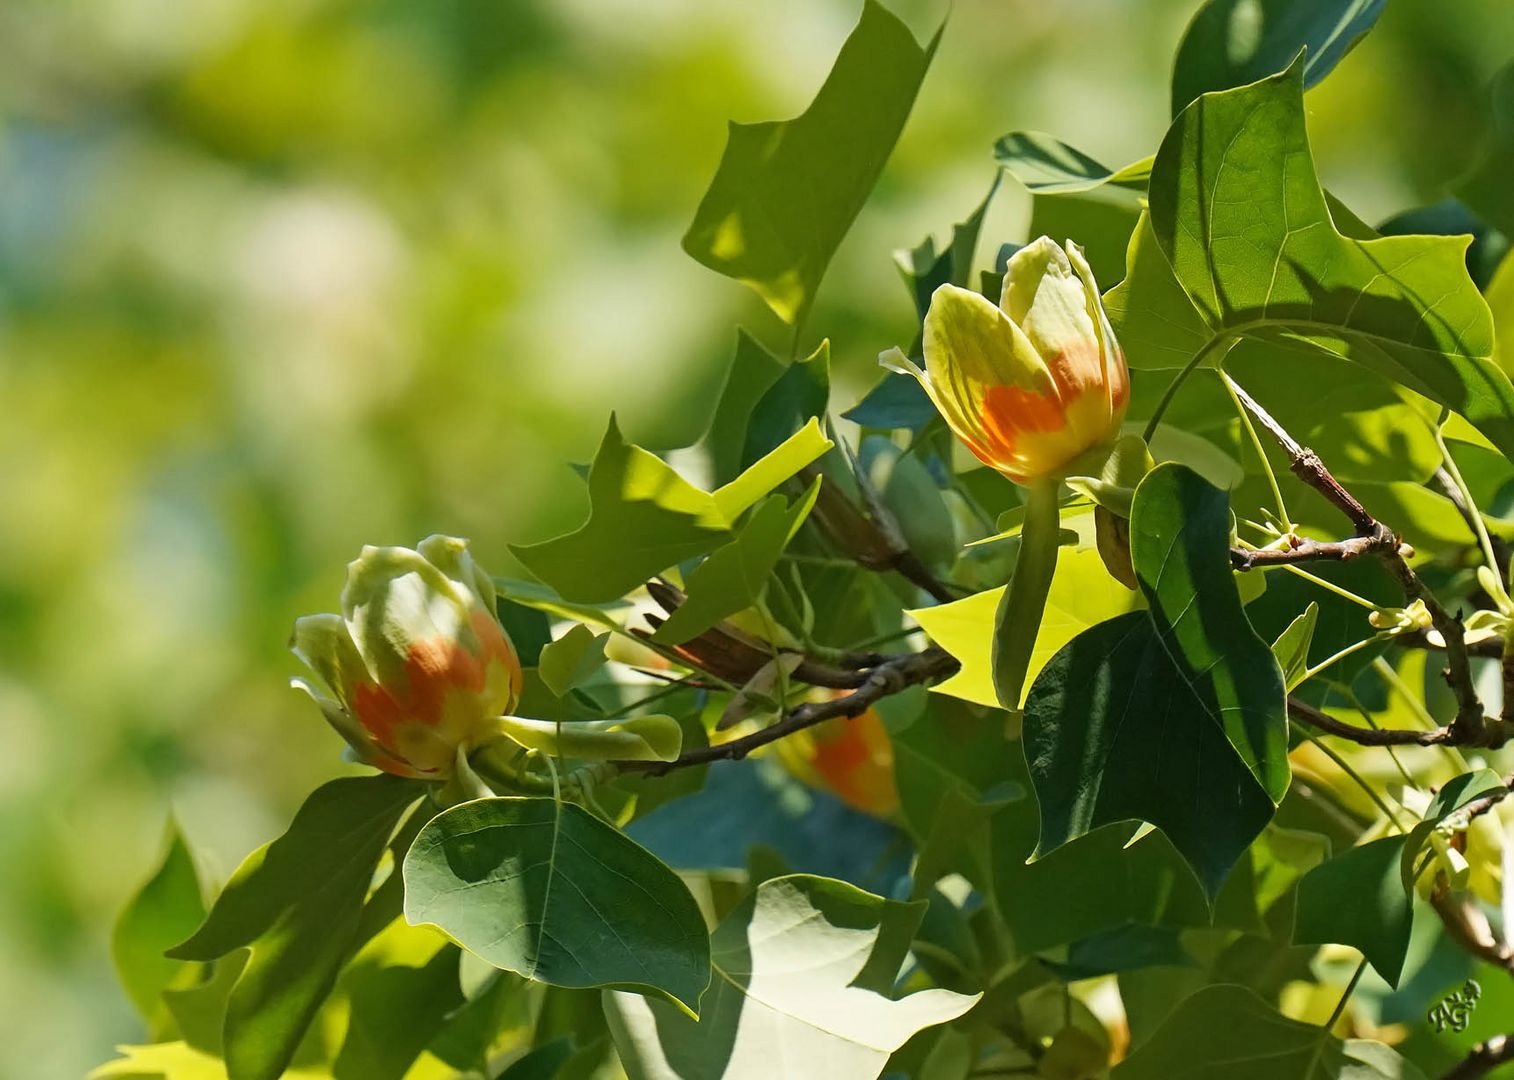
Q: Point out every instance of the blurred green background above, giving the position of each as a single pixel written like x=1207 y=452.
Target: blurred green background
x=279 y=278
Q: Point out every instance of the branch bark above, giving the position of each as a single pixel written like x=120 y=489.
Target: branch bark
x=1484 y=1058
x=1365 y=736
x=890 y=677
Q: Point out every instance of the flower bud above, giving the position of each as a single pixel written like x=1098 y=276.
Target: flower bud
x=416 y=666
x=1032 y=383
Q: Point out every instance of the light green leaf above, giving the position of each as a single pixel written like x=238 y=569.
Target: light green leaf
x=167 y=909
x=547 y=890
x=786 y=995
x=734 y=577
x=1228 y=1031
x=1082 y=594
x=572 y=659
x=1234 y=42
x=786 y=192
x=644 y=517
x=1046 y=165
x=653 y=737
x=1242 y=226
x=1358 y=898
x=297 y=903
x=1292 y=647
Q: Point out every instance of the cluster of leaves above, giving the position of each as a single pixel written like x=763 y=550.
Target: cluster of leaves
x=1146 y=820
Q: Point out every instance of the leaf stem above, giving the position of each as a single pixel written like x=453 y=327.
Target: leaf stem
x=1340 y=1006
x=1224 y=338
x=1360 y=781
x=1285 y=521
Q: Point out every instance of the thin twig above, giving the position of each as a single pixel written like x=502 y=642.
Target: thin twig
x=1302 y=550
x=1484 y=1058
x=1365 y=736
x=1471 y=725
x=889 y=677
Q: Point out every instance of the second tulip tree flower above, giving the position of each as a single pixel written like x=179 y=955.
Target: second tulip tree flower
x=418 y=674
x=1036 y=387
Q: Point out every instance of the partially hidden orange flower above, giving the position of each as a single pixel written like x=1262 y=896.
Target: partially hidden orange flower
x=416 y=667
x=1034 y=382
x=852 y=757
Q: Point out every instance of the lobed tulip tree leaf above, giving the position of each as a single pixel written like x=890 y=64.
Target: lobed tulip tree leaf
x=1045 y=165
x=547 y=890
x=644 y=517
x=297 y=902
x=786 y=192
x=733 y=577
x=572 y=659
x=1487 y=188
x=1082 y=595
x=1229 y=1031
x=1239 y=226
x=798 y=967
x=752 y=373
x=165 y=910
x=1173 y=716
x=1358 y=898
x=1231 y=43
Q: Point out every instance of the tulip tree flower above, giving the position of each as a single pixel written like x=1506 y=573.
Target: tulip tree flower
x=1036 y=387
x=416 y=667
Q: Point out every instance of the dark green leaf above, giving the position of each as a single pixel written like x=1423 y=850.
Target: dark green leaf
x=1234 y=42
x=1172 y=716
x=786 y=192
x=1180 y=547
x=297 y=902
x=1227 y=1031
x=752 y=372
x=1358 y=899
x=547 y=890
x=1487 y=188
x=925 y=271
x=786 y=993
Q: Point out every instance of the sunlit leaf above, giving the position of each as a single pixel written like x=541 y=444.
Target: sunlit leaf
x=735 y=576
x=786 y=192
x=792 y=989
x=1082 y=594
x=1240 y=242
x=644 y=517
